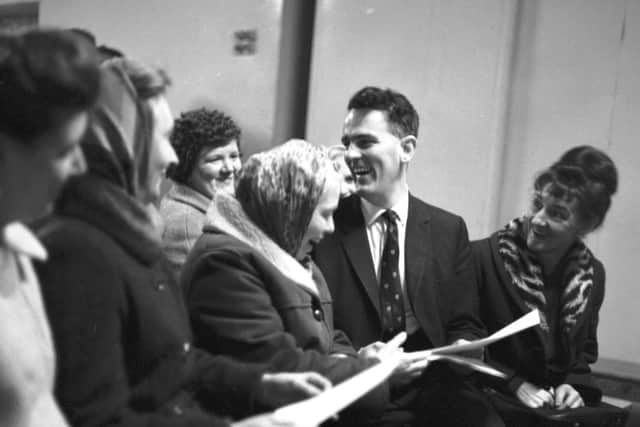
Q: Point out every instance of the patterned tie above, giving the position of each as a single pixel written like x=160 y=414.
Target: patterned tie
x=391 y=300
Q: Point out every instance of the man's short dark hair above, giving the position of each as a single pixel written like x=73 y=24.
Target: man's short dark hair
x=402 y=117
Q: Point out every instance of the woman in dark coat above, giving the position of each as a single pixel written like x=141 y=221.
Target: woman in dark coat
x=118 y=319
x=252 y=290
x=539 y=261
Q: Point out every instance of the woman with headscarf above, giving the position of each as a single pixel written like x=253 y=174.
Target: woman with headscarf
x=540 y=261
x=207 y=143
x=252 y=290
x=117 y=316
x=48 y=83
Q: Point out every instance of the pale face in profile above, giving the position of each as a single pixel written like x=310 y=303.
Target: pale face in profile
x=161 y=153
x=321 y=222
x=33 y=172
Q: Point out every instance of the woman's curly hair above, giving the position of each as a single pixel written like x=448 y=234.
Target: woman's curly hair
x=194 y=130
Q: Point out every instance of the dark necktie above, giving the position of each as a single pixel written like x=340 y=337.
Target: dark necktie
x=391 y=300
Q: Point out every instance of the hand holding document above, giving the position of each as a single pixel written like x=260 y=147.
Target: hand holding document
x=446 y=353
x=322 y=407
x=318 y=409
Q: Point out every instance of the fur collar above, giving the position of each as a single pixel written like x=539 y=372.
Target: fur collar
x=226 y=214
x=526 y=274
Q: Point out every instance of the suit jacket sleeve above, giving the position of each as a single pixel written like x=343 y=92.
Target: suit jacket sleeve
x=231 y=309
x=83 y=294
x=463 y=321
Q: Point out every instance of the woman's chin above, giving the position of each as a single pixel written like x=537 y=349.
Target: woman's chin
x=225 y=186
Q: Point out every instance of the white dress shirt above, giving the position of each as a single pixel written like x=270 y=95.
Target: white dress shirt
x=376 y=235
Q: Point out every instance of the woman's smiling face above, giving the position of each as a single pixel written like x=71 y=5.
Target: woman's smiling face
x=554 y=224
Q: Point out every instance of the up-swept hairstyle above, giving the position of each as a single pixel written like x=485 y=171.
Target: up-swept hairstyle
x=280 y=188
x=401 y=115
x=194 y=130
x=584 y=173
x=45 y=76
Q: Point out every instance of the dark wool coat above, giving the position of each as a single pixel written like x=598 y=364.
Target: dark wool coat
x=119 y=323
x=522 y=356
x=249 y=299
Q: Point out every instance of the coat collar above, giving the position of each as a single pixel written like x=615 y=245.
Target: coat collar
x=112 y=210
x=18 y=238
x=184 y=194
x=226 y=215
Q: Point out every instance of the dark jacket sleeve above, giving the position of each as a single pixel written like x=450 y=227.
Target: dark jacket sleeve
x=231 y=309
x=84 y=298
x=579 y=375
x=463 y=321
x=483 y=269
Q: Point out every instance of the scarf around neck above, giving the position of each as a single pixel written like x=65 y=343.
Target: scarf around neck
x=525 y=272
x=226 y=214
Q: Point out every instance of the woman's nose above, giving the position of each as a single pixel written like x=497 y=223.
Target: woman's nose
x=539 y=218
x=227 y=164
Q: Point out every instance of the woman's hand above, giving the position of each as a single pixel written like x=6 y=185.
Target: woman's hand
x=534 y=396
x=567 y=397
x=285 y=387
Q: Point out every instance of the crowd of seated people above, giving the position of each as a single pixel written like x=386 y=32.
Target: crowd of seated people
x=250 y=286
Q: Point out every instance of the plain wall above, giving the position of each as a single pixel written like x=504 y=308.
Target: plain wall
x=452 y=59
x=576 y=81
x=194 y=41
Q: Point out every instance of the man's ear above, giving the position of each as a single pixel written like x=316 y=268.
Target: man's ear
x=408 y=145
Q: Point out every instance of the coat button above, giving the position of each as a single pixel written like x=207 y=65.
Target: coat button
x=161 y=287
x=186 y=347
x=176 y=409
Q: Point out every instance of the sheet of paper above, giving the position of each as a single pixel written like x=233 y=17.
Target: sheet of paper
x=320 y=408
x=527 y=321
x=475 y=364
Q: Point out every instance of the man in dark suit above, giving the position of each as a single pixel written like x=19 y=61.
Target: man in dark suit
x=398 y=264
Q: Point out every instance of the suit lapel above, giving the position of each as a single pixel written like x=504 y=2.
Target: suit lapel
x=419 y=276
x=417 y=247
x=354 y=238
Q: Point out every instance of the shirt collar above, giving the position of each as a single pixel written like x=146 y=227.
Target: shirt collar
x=19 y=238
x=372 y=212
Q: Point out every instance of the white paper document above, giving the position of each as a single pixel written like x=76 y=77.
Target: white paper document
x=527 y=321
x=320 y=408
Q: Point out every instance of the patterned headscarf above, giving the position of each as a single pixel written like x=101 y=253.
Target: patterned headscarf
x=280 y=188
